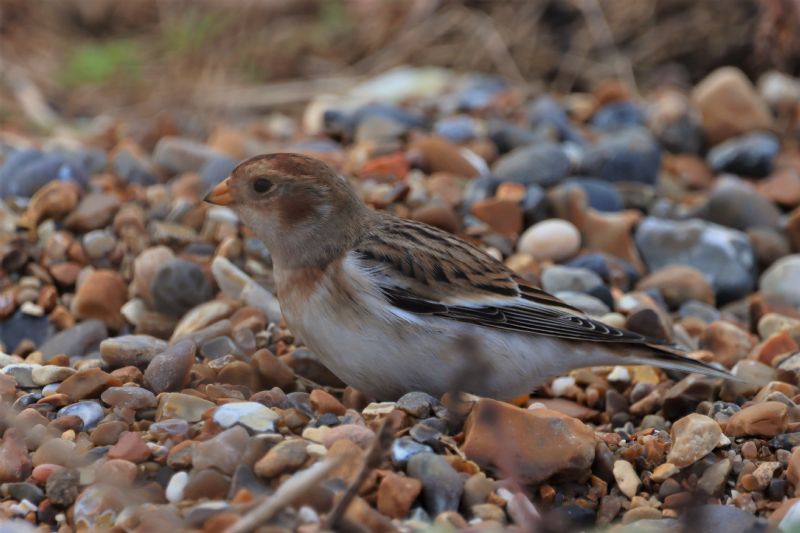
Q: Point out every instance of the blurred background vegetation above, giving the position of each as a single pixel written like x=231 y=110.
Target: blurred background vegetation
x=90 y=57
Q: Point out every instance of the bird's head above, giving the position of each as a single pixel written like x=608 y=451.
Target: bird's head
x=302 y=210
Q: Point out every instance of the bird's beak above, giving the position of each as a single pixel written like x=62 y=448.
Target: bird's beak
x=221 y=194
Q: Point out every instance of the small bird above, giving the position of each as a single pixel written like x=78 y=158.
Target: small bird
x=392 y=305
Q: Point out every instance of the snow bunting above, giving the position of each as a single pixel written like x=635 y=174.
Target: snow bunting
x=386 y=303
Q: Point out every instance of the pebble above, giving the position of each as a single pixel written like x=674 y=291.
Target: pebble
x=750 y=155
x=550 y=240
x=95 y=211
x=78 y=340
x=47 y=374
x=101 y=295
x=22 y=374
x=15 y=465
x=442 y=486
x=396 y=494
x=627 y=479
x=693 y=437
x=565 y=446
x=736 y=204
x=62 y=487
x=679 y=284
x=223 y=451
x=179 y=285
x=182 y=406
x=729 y=105
x=765 y=419
x=130 y=447
x=286 y=457
x=135 y=398
x=175 y=487
x=131 y=350
x=541 y=164
x=724 y=255
x=251 y=415
x=404 y=448
x=87 y=383
x=629 y=155
x=558 y=278
x=169 y=370
x=177 y=155
x=729 y=343
x=782 y=280
x=91 y=412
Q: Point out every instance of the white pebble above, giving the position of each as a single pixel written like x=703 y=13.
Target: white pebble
x=619 y=374
x=561 y=385
x=177 y=483
x=550 y=240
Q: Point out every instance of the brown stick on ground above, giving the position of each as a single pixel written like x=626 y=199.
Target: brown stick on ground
x=287 y=493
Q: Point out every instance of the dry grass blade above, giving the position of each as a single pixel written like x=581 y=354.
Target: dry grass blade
x=380 y=446
x=287 y=493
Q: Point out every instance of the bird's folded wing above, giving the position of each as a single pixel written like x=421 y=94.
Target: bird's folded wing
x=423 y=270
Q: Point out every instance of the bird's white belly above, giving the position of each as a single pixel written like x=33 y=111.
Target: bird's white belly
x=387 y=356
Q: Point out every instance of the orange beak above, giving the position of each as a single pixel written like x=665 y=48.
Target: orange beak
x=221 y=194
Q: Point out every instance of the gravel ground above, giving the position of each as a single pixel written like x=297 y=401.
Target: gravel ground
x=148 y=382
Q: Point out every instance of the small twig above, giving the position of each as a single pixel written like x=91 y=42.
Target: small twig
x=287 y=493
x=497 y=47
x=30 y=98
x=380 y=445
x=599 y=29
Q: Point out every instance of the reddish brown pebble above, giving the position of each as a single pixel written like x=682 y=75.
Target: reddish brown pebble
x=564 y=445
x=15 y=465
x=87 y=383
x=323 y=402
x=101 y=295
x=396 y=494
x=130 y=447
x=503 y=216
x=765 y=419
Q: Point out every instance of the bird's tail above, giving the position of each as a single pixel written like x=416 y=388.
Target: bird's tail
x=671 y=358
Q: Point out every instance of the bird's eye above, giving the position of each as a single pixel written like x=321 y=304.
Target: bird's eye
x=262 y=185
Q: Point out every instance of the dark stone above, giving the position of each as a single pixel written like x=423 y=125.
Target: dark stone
x=79 y=340
x=600 y=194
x=618 y=115
x=442 y=486
x=20 y=326
x=629 y=155
x=735 y=204
x=535 y=205
x=548 y=116
x=750 y=155
x=178 y=286
x=23 y=491
x=26 y=171
x=542 y=164
x=507 y=136
x=724 y=255
x=683 y=397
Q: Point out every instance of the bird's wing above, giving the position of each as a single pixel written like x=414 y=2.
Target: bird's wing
x=425 y=271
